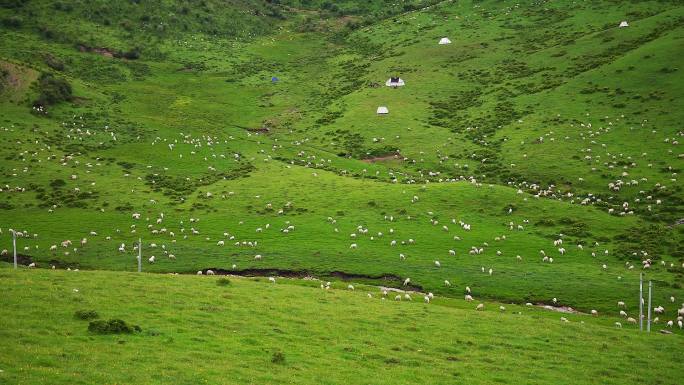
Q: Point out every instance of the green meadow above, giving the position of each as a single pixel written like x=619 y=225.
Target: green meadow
x=534 y=159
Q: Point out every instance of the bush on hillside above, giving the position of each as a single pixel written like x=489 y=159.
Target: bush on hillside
x=12 y=4
x=86 y=314
x=54 y=63
x=4 y=76
x=12 y=22
x=278 y=358
x=132 y=54
x=113 y=326
x=52 y=90
x=62 y=6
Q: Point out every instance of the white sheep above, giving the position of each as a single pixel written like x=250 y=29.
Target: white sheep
x=480 y=307
x=210 y=272
x=272 y=279
x=151 y=259
x=350 y=287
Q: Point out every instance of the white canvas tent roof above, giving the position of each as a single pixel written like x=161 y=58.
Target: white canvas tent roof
x=444 y=40
x=395 y=82
x=382 y=110
x=624 y=24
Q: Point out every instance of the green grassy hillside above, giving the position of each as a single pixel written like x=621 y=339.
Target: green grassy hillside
x=200 y=329
x=536 y=157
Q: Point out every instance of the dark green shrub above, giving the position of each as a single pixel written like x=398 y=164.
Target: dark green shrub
x=278 y=358
x=86 y=314
x=57 y=183
x=52 y=90
x=54 y=63
x=113 y=326
x=10 y=4
x=223 y=281
x=12 y=22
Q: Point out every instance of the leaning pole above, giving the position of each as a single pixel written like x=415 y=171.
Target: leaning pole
x=648 y=323
x=139 y=255
x=14 y=247
x=641 y=301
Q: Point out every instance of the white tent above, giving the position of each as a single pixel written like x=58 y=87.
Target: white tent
x=444 y=40
x=624 y=24
x=382 y=110
x=395 y=82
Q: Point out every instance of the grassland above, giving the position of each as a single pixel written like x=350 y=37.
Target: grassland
x=249 y=332
x=540 y=121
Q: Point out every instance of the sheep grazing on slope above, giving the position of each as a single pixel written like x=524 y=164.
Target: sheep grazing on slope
x=618 y=325
x=151 y=259
x=350 y=287
x=272 y=279
x=447 y=283
x=468 y=297
x=632 y=320
x=480 y=307
x=210 y=272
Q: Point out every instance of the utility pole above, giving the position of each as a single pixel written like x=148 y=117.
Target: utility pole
x=14 y=246
x=139 y=255
x=641 y=302
x=648 y=324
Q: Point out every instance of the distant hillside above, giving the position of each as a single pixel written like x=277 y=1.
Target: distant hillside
x=536 y=156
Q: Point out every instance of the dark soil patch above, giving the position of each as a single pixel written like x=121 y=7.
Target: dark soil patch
x=382 y=158
x=22 y=259
x=106 y=52
x=389 y=280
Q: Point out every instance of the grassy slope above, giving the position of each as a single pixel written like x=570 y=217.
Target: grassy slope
x=195 y=331
x=152 y=98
